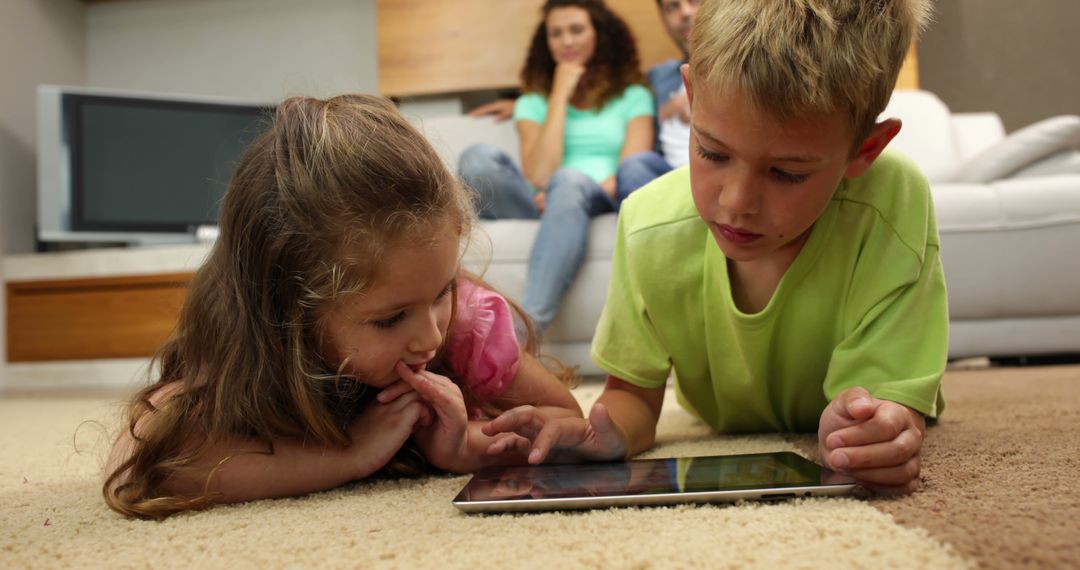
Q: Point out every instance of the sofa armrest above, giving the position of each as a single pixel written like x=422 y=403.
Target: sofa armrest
x=1020 y=149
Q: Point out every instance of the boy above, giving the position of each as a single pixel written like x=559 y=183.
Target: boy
x=790 y=276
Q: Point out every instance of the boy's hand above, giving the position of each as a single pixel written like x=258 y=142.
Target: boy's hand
x=878 y=442
x=595 y=438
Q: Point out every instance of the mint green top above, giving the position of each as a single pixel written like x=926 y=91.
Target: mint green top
x=863 y=304
x=592 y=139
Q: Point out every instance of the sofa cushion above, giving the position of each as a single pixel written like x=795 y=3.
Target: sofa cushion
x=451 y=135
x=927 y=132
x=499 y=251
x=1022 y=148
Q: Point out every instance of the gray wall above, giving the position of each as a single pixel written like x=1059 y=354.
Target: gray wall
x=1020 y=59
x=40 y=42
x=262 y=50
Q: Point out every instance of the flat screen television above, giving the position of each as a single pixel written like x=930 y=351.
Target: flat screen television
x=136 y=168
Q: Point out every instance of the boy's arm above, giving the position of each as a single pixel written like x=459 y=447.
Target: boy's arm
x=634 y=411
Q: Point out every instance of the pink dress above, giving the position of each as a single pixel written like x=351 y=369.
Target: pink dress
x=483 y=349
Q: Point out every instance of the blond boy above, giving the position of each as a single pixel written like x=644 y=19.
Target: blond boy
x=790 y=275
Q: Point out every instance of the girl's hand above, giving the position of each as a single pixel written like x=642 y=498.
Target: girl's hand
x=444 y=442
x=595 y=438
x=383 y=428
x=567 y=77
x=878 y=442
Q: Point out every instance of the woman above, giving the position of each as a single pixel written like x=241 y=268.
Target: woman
x=583 y=110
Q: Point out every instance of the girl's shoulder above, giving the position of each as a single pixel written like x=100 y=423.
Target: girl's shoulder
x=483 y=348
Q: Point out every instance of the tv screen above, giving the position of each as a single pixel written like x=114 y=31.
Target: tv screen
x=153 y=165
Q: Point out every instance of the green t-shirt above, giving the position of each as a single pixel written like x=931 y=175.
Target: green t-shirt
x=863 y=304
x=592 y=139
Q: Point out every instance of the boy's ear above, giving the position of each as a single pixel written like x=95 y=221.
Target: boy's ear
x=880 y=135
x=684 y=70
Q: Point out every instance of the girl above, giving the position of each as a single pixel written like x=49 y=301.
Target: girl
x=583 y=111
x=319 y=339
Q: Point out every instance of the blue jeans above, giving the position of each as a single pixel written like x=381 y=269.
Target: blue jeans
x=638 y=170
x=559 y=250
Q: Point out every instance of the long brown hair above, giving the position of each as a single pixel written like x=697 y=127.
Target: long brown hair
x=314 y=204
x=614 y=65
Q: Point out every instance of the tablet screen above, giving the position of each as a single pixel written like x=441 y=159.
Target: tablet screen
x=647 y=477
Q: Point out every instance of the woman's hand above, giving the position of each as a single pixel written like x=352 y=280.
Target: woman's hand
x=608 y=185
x=540 y=199
x=567 y=77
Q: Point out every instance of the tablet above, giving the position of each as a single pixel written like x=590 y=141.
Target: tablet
x=647 y=482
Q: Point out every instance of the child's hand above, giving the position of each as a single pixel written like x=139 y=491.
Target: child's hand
x=383 y=428
x=878 y=442
x=445 y=440
x=595 y=438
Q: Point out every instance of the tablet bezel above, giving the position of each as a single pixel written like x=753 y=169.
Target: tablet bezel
x=822 y=482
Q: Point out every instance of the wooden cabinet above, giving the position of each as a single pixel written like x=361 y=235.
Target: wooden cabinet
x=90 y=318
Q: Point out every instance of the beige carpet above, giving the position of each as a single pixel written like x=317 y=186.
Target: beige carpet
x=1000 y=492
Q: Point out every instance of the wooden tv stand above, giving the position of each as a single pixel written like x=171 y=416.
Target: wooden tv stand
x=95 y=304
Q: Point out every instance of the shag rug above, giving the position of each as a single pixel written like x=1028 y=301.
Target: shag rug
x=1000 y=490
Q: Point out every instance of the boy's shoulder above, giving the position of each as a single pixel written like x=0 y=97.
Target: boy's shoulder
x=660 y=204
x=894 y=190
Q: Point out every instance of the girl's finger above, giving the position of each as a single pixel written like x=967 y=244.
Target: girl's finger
x=522 y=420
x=391 y=392
x=416 y=381
x=401 y=402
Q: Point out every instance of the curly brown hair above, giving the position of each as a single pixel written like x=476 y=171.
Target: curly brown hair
x=613 y=67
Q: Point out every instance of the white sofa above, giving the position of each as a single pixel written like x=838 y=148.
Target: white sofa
x=1008 y=210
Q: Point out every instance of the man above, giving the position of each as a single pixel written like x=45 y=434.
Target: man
x=673 y=110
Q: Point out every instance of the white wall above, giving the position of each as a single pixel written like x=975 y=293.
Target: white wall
x=261 y=50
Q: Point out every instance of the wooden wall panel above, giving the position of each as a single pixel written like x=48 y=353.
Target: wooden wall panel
x=115 y=317
x=429 y=47
x=433 y=46
x=909 y=73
